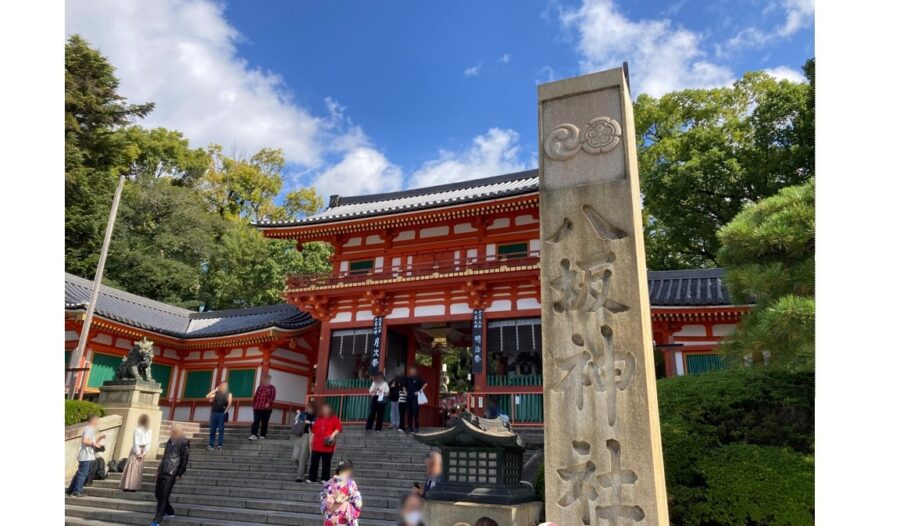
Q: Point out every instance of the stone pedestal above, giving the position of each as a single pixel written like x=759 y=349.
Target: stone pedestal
x=602 y=447
x=466 y=513
x=130 y=400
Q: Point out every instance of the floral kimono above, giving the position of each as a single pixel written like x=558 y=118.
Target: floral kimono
x=341 y=502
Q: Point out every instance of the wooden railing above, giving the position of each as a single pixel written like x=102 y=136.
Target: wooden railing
x=287 y=409
x=416 y=270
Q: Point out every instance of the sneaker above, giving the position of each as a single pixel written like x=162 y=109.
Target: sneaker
x=209 y=448
x=252 y=437
x=311 y=481
x=168 y=516
x=263 y=438
x=300 y=479
x=400 y=429
x=218 y=448
x=154 y=524
x=77 y=494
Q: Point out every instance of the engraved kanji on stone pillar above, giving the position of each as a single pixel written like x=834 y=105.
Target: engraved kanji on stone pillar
x=601 y=418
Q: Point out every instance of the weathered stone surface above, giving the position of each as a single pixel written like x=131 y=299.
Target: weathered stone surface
x=130 y=400
x=602 y=451
x=467 y=513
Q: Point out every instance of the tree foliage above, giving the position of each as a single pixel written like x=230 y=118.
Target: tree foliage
x=769 y=254
x=183 y=233
x=705 y=153
x=738 y=447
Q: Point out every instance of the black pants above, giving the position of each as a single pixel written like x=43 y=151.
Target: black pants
x=376 y=414
x=402 y=415
x=164 y=485
x=260 y=415
x=314 y=460
x=412 y=409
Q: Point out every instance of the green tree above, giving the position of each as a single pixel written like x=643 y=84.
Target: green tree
x=705 y=153
x=96 y=152
x=244 y=188
x=769 y=254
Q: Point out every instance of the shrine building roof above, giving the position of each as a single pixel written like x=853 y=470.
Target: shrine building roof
x=342 y=208
x=143 y=313
x=688 y=288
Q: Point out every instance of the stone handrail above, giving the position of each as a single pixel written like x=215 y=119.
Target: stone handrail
x=109 y=425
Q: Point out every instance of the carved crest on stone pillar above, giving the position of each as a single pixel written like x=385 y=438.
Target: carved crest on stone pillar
x=600 y=135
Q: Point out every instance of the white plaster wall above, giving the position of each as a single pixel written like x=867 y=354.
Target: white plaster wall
x=490 y=249
x=353 y=242
x=374 y=240
x=692 y=330
x=379 y=263
x=169 y=353
x=277 y=415
x=464 y=228
x=254 y=351
x=71 y=335
x=364 y=315
x=234 y=353
x=122 y=343
x=201 y=413
x=502 y=222
x=679 y=363
x=288 y=354
x=406 y=235
x=289 y=387
x=209 y=355
x=528 y=303
x=472 y=253
x=460 y=308
x=345 y=266
x=342 y=316
x=525 y=220
x=723 y=330
x=434 y=231
x=500 y=305
x=400 y=312
x=534 y=246
x=194 y=355
x=429 y=310
x=182 y=413
x=105 y=339
x=244 y=413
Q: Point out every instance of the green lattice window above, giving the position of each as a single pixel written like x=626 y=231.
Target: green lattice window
x=512 y=250
x=351 y=408
x=703 y=363
x=362 y=266
x=162 y=374
x=197 y=383
x=529 y=409
x=103 y=368
x=240 y=382
x=68 y=357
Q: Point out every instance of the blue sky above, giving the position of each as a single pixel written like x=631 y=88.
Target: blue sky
x=378 y=96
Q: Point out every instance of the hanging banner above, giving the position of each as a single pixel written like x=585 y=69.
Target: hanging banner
x=375 y=351
x=477 y=341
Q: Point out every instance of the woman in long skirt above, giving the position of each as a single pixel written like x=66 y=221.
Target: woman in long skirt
x=133 y=473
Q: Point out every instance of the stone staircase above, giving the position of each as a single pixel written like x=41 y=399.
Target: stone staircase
x=252 y=483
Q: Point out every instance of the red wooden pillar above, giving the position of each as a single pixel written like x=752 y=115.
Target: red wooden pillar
x=267 y=350
x=322 y=358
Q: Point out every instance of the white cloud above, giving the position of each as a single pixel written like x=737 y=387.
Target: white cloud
x=494 y=153
x=505 y=58
x=363 y=171
x=662 y=56
x=786 y=73
x=799 y=15
x=472 y=71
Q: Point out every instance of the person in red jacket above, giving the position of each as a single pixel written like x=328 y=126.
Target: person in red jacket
x=323 y=433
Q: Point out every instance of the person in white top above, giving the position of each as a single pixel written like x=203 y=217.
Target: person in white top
x=379 y=392
x=133 y=473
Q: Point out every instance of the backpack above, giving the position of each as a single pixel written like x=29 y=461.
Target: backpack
x=121 y=465
x=98 y=471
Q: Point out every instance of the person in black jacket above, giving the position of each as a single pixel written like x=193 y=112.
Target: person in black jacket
x=172 y=466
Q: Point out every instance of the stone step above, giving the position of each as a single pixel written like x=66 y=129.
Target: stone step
x=361 y=461
x=292 y=491
x=199 y=514
x=305 y=502
x=208 y=476
x=205 y=485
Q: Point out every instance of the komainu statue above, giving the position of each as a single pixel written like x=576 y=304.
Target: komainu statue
x=136 y=364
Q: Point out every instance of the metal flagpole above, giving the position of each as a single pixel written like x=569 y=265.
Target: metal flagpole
x=95 y=291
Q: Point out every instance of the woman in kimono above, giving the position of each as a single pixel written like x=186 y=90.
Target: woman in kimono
x=341 y=500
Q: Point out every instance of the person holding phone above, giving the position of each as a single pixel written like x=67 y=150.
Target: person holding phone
x=378 y=392
x=300 y=435
x=324 y=431
x=87 y=452
x=221 y=404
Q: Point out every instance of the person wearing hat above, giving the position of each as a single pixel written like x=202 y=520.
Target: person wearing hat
x=379 y=392
x=341 y=499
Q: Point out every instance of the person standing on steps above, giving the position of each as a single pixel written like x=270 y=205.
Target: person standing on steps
x=262 y=407
x=414 y=385
x=221 y=404
x=324 y=431
x=133 y=474
x=434 y=472
x=341 y=499
x=90 y=443
x=394 y=399
x=378 y=392
x=172 y=466
x=300 y=434
x=401 y=401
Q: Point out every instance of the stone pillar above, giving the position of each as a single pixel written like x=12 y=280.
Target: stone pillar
x=602 y=442
x=130 y=400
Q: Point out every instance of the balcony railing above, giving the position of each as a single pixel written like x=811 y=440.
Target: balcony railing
x=441 y=265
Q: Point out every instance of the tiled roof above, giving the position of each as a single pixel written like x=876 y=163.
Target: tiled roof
x=345 y=208
x=143 y=313
x=686 y=288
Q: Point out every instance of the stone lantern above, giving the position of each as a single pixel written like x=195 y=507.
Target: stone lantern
x=482 y=463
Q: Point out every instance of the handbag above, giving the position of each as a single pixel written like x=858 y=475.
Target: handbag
x=299 y=426
x=422 y=398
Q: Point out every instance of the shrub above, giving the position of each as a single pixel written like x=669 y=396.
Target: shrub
x=538 y=482
x=77 y=411
x=726 y=431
